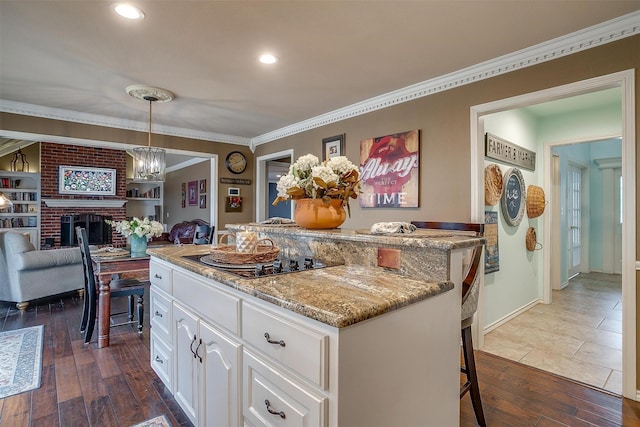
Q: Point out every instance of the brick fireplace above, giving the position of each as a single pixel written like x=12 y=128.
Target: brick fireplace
x=52 y=156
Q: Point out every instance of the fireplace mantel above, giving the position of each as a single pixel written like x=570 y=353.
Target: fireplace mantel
x=84 y=203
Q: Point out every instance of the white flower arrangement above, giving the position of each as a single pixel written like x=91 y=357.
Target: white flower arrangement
x=140 y=227
x=336 y=178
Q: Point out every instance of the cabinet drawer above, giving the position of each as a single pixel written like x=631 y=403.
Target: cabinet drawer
x=160 y=316
x=160 y=276
x=270 y=398
x=162 y=360
x=215 y=305
x=294 y=345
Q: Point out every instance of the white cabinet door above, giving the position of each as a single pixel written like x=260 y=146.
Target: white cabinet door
x=219 y=378
x=186 y=369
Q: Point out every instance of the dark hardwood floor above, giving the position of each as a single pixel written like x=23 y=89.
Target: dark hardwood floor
x=83 y=385
x=514 y=395
x=115 y=386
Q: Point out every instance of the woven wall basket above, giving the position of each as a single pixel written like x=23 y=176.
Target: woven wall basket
x=531 y=240
x=493 y=184
x=535 y=201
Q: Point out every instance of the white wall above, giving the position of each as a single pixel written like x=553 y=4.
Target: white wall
x=519 y=280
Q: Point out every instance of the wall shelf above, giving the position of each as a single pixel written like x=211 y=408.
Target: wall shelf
x=23 y=188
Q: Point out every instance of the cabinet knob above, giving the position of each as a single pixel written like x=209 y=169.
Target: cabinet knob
x=270 y=341
x=271 y=411
x=158 y=359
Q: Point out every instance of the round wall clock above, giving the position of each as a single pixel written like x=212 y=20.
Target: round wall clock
x=236 y=162
x=513 y=197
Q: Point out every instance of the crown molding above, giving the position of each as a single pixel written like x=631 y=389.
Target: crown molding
x=609 y=31
x=609 y=163
x=25 y=109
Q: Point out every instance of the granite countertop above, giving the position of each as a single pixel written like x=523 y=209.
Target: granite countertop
x=420 y=238
x=338 y=296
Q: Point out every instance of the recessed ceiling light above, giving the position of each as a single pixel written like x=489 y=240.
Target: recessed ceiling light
x=268 y=58
x=128 y=11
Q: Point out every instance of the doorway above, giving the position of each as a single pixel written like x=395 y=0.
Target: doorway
x=267 y=169
x=624 y=81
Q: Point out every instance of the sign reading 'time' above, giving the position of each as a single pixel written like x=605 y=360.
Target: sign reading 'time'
x=505 y=151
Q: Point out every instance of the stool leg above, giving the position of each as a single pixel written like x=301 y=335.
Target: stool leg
x=470 y=365
x=140 y=313
x=131 y=304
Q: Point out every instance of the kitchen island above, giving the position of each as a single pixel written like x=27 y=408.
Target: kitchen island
x=363 y=342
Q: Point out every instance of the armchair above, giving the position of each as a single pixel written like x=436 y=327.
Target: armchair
x=27 y=274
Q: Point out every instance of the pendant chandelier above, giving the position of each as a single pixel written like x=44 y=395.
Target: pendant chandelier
x=149 y=163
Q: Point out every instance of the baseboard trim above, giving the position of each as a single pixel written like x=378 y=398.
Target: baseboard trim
x=562 y=286
x=511 y=315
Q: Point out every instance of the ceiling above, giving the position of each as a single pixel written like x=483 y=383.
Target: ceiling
x=79 y=56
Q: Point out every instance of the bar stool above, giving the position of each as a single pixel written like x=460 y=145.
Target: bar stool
x=470 y=291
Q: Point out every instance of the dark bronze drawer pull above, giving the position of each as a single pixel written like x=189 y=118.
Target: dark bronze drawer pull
x=191 y=347
x=158 y=314
x=198 y=348
x=158 y=359
x=157 y=276
x=270 y=341
x=271 y=411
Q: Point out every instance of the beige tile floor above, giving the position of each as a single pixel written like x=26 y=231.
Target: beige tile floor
x=578 y=335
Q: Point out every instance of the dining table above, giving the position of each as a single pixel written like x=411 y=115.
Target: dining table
x=108 y=267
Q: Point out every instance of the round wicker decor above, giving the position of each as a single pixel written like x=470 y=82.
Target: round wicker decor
x=228 y=254
x=535 y=201
x=531 y=240
x=493 y=184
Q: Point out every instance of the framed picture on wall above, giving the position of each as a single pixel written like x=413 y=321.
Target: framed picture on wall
x=192 y=193
x=332 y=147
x=203 y=201
x=202 y=186
x=86 y=181
x=233 y=204
x=491 y=252
x=390 y=171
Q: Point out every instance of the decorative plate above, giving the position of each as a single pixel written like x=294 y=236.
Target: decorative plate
x=513 y=197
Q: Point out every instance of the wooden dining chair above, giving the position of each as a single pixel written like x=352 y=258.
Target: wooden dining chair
x=119 y=288
x=203 y=235
x=470 y=291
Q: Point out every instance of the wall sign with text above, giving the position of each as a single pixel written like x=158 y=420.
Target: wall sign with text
x=508 y=152
x=513 y=197
x=390 y=170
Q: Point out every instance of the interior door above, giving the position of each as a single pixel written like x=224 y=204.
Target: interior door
x=574 y=220
x=617 y=243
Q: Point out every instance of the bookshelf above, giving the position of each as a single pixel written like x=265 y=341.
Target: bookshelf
x=144 y=199
x=23 y=189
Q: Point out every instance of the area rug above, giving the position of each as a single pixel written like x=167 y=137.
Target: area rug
x=20 y=360
x=159 y=421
